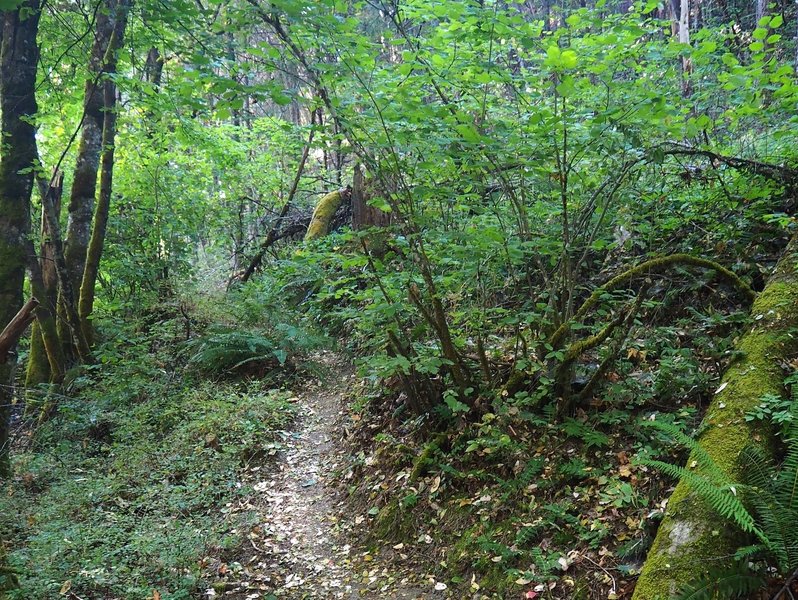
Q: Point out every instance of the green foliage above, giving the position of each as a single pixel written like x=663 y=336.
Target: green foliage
x=125 y=489
x=722 y=584
x=524 y=157
x=225 y=350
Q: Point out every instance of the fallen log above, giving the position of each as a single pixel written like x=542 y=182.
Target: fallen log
x=693 y=539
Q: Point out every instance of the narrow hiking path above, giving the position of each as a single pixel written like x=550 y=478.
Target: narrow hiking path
x=303 y=540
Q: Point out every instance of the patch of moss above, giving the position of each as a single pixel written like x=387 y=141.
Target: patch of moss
x=323 y=214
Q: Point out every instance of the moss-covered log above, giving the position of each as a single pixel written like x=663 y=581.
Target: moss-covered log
x=655 y=265
x=692 y=537
x=324 y=212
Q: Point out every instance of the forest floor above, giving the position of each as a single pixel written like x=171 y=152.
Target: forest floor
x=304 y=543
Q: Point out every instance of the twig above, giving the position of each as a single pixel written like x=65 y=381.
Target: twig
x=786 y=587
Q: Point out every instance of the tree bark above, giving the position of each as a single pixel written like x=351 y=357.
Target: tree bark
x=111 y=19
x=19 y=56
x=761 y=5
x=684 y=38
x=46 y=362
x=97 y=241
x=15 y=328
x=363 y=214
x=46 y=358
x=692 y=537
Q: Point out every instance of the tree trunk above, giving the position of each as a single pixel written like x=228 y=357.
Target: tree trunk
x=324 y=212
x=46 y=362
x=760 y=11
x=97 y=241
x=19 y=56
x=46 y=358
x=684 y=38
x=363 y=214
x=693 y=537
x=111 y=19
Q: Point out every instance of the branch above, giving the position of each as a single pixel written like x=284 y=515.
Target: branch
x=779 y=173
x=16 y=327
x=271 y=237
x=652 y=266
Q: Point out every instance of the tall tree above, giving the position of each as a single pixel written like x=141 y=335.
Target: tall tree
x=97 y=240
x=19 y=56
x=109 y=30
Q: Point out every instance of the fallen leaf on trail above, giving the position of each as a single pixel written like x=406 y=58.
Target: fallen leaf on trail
x=440 y=586
x=530 y=595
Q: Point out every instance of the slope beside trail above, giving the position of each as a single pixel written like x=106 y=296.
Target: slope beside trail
x=302 y=541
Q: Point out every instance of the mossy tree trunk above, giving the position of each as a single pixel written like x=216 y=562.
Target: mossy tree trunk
x=102 y=61
x=692 y=537
x=100 y=226
x=324 y=213
x=19 y=56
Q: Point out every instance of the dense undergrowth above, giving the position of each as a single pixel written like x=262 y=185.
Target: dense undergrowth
x=576 y=210
x=514 y=497
x=126 y=491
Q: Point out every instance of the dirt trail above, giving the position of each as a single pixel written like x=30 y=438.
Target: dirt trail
x=299 y=545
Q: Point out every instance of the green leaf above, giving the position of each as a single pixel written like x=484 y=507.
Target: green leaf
x=776 y=21
x=569 y=59
x=454 y=404
x=468 y=132
x=566 y=86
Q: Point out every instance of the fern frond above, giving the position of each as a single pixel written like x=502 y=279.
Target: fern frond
x=724 y=584
x=787 y=480
x=749 y=552
x=704 y=460
x=721 y=499
x=770 y=518
x=757 y=467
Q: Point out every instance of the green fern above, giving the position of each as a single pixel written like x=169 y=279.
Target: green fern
x=722 y=498
x=721 y=584
x=224 y=349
